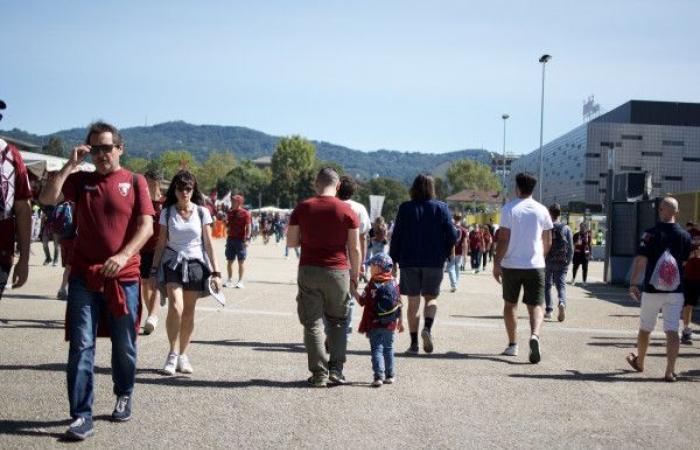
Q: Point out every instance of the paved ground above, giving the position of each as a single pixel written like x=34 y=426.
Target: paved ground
x=248 y=388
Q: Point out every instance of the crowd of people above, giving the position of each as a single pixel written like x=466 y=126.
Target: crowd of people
x=159 y=248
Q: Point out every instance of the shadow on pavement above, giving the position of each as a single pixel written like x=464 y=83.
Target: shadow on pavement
x=461 y=316
x=181 y=381
x=29 y=296
x=602 y=377
x=32 y=323
x=31 y=428
x=299 y=348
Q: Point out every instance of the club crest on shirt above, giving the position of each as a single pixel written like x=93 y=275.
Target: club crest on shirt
x=124 y=188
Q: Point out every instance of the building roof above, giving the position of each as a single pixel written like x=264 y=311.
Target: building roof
x=262 y=160
x=646 y=112
x=18 y=143
x=470 y=196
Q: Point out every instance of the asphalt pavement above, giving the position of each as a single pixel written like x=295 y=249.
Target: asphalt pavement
x=248 y=389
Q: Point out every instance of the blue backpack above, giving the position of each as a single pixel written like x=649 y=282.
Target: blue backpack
x=387 y=302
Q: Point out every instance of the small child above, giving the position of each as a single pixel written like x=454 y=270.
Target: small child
x=381 y=317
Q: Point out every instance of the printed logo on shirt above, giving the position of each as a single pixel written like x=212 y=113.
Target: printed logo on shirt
x=124 y=189
x=646 y=239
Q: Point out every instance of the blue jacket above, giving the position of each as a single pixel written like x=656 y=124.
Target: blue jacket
x=423 y=234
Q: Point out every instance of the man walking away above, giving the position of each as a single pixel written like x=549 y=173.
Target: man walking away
x=327 y=230
x=660 y=256
x=557 y=263
x=524 y=239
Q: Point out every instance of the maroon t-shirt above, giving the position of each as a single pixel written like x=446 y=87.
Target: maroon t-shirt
x=108 y=211
x=237 y=220
x=152 y=242
x=323 y=223
x=459 y=245
x=692 y=267
x=14 y=186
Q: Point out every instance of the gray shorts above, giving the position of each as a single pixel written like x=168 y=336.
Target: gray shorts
x=530 y=280
x=416 y=281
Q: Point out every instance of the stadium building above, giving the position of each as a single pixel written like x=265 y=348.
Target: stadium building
x=660 y=138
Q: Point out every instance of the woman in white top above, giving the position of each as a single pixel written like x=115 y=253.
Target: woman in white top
x=184 y=259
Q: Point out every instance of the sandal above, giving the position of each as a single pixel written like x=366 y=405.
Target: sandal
x=632 y=360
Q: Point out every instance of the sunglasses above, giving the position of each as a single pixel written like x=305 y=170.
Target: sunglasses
x=97 y=149
x=185 y=188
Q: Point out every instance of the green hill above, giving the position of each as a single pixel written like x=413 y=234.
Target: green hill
x=245 y=143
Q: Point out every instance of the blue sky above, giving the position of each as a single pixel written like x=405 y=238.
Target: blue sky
x=406 y=75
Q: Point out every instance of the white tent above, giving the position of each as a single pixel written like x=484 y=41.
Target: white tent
x=38 y=164
x=271 y=209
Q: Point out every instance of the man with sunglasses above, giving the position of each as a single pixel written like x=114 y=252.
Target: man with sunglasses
x=15 y=214
x=114 y=221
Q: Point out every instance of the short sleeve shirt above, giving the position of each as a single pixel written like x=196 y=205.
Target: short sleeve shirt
x=692 y=267
x=108 y=210
x=150 y=245
x=655 y=241
x=362 y=215
x=237 y=220
x=526 y=219
x=323 y=223
x=185 y=235
x=14 y=186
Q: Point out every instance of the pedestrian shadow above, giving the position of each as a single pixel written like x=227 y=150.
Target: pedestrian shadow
x=462 y=316
x=281 y=283
x=187 y=382
x=29 y=296
x=34 y=428
x=608 y=293
x=624 y=315
x=50 y=367
x=32 y=323
x=618 y=376
x=624 y=344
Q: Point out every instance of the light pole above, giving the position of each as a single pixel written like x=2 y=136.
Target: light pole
x=543 y=59
x=504 y=117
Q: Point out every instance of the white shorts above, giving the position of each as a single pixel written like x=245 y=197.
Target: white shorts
x=670 y=304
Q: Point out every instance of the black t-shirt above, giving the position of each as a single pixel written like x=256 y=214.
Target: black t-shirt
x=655 y=241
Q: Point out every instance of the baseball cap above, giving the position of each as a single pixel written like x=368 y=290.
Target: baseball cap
x=383 y=261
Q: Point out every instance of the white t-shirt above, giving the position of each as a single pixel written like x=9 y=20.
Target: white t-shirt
x=185 y=236
x=361 y=211
x=526 y=219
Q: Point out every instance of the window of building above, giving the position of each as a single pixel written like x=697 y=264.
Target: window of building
x=656 y=185
x=592 y=155
x=631 y=137
x=606 y=144
x=691 y=159
x=592 y=182
x=602 y=191
x=652 y=153
x=603 y=175
x=673 y=143
x=630 y=168
x=673 y=178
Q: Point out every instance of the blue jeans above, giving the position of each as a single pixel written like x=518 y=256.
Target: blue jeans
x=83 y=314
x=476 y=259
x=453 y=270
x=381 y=341
x=557 y=277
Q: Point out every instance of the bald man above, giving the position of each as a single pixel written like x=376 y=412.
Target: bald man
x=666 y=235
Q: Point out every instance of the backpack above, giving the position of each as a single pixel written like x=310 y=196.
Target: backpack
x=387 y=302
x=62 y=221
x=559 y=253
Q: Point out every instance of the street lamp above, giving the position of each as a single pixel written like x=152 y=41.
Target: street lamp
x=543 y=59
x=504 y=117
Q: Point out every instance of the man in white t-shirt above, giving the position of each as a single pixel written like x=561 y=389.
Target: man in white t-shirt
x=347 y=189
x=524 y=239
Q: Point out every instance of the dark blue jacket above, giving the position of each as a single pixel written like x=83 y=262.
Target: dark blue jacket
x=423 y=234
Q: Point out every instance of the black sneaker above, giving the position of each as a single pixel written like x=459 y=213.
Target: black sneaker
x=79 y=430
x=427 y=341
x=317 y=382
x=122 y=410
x=687 y=337
x=412 y=350
x=535 y=356
x=336 y=377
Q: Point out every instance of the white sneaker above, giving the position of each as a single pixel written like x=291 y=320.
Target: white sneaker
x=170 y=364
x=150 y=325
x=183 y=364
x=511 y=350
x=239 y=285
x=228 y=283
